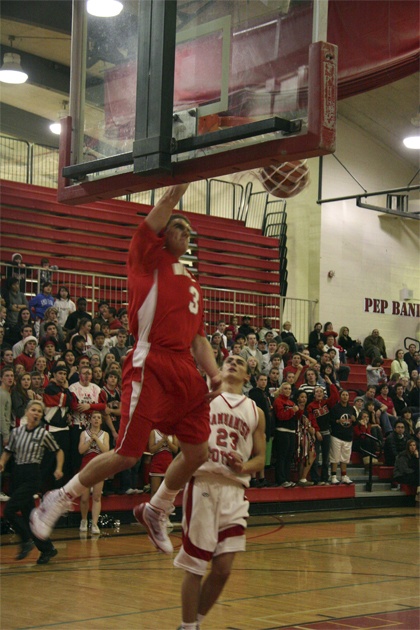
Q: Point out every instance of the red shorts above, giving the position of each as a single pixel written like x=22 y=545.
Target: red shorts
x=167 y=394
x=160 y=463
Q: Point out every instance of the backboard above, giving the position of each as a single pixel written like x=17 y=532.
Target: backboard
x=171 y=92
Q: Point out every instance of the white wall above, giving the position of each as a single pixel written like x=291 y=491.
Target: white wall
x=372 y=254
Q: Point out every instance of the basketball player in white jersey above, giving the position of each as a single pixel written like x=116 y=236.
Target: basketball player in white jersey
x=214 y=506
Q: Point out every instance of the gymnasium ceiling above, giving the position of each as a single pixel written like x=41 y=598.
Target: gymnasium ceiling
x=43 y=41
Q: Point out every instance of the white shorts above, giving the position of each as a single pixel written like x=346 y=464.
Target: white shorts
x=214 y=521
x=340 y=451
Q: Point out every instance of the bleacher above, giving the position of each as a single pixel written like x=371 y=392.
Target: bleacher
x=95 y=238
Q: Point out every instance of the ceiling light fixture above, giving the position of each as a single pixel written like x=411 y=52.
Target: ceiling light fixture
x=413 y=141
x=55 y=127
x=11 y=70
x=104 y=8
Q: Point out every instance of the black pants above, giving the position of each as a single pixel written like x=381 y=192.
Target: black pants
x=49 y=462
x=26 y=483
x=285 y=446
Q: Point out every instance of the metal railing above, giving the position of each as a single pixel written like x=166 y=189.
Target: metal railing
x=219 y=303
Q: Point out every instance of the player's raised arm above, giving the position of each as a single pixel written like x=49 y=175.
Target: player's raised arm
x=204 y=356
x=159 y=216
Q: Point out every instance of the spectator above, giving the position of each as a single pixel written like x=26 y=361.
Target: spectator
x=414 y=397
x=311 y=381
x=267 y=327
x=341 y=370
x=253 y=372
x=382 y=395
x=7 y=358
x=320 y=418
x=51 y=330
x=375 y=373
x=296 y=368
x=7 y=380
x=51 y=317
x=27 y=331
x=41 y=302
x=407 y=418
x=64 y=305
x=14 y=334
x=217 y=352
x=288 y=337
x=273 y=383
x=93 y=441
x=73 y=319
x=233 y=326
x=18 y=271
x=97 y=375
x=102 y=317
x=109 y=358
x=245 y=328
x=374 y=346
x=86 y=398
x=113 y=322
x=342 y=423
x=317 y=352
x=84 y=330
x=77 y=346
x=374 y=424
x=229 y=340
x=112 y=412
x=409 y=358
x=98 y=348
x=49 y=349
x=361 y=438
x=81 y=362
x=380 y=409
x=21 y=395
x=353 y=349
x=315 y=336
x=305 y=452
x=271 y=351
x=358 y=405
x=395 y=443
x=37 y=382
x=70 y=360
x=221 y=329
x=40 y=366
x=259 y=395
x=57 y=400
x=15 y=302
x=328 y=331
x=400 y=398
x=399 y=366
x=251 y=350
x=28 y=356
x=407 y=466
x=287 y=415
x=236 y=349
x=218 y=340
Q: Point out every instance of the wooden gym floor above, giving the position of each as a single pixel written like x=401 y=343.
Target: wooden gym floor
x=325 y=571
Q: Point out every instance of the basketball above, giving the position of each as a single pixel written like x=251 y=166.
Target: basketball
x=286 y=180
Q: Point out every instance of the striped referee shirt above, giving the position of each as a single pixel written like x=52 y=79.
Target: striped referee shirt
x=28 y=446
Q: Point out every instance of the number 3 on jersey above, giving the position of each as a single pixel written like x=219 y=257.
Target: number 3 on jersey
x=194 y=304
x=222 y=439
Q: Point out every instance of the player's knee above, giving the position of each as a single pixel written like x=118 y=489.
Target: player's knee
x=122 y=462
x=96 y=497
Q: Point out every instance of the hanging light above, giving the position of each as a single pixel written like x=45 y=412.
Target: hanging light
x=413 y=140
x=104 y=8
x=11 y=70
x=55 y=127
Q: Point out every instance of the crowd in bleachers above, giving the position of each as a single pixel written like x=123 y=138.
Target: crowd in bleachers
x=58 y=353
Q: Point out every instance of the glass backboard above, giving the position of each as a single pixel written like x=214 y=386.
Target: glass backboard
x=176 y=91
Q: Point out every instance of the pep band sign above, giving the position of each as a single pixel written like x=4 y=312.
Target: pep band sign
x=383 y=307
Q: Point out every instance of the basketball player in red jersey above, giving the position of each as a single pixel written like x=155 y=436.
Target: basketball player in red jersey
x=166 y=319
x=215 y=509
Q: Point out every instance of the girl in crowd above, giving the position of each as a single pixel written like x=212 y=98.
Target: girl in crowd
x=83 y=330
x=24 y=319
x=400 y=398
x=407 y=418
x=354 y=349
x=361 y=439
x=399 y=366
x=64 y=305
x=217 y=354
x=287 y=415
x=40 y=365
x=254 y=373
x=70 y=361
x=77 y=345
x=305 y=452
x=315 y=336
x=97 y=376
x=413 y=380
x=288 y=337
x=217 y=339
x=162 y=448
x=329 y=372
x=109 y=358
x=375 y=374
x=93 y=441
x=21 y=395
x=328 y=331
x=95 y=361
x=374 y=424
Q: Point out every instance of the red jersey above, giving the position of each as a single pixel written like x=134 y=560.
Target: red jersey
x=165 y=300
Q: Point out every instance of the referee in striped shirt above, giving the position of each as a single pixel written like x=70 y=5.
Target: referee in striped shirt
x=28 y=443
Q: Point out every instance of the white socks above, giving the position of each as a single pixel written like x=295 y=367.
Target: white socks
x=74 y=488
x=164 y=499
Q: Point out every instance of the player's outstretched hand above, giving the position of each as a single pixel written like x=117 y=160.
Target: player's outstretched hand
x=235 y=462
